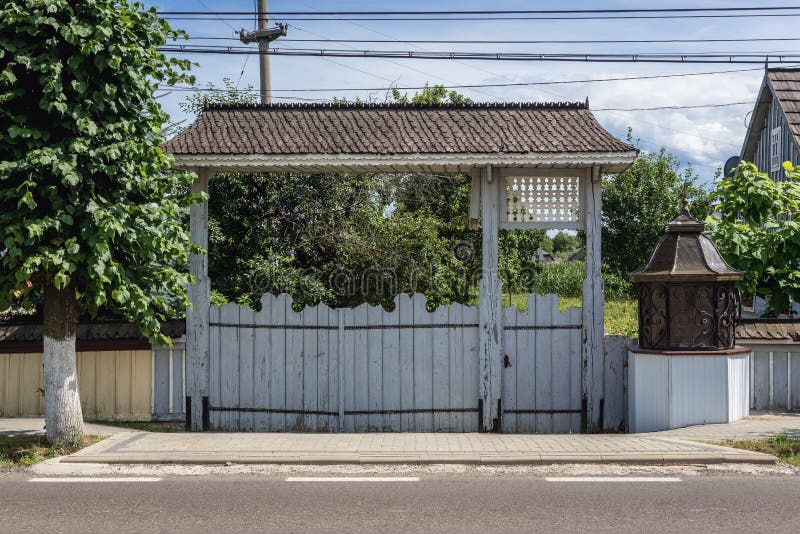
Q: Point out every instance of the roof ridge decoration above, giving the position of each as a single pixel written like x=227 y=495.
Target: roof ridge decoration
x=210 y=106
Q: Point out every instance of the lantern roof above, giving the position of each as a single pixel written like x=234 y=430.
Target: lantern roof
x=686 y=254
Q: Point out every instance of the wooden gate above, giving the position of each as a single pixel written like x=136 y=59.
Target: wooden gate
x=542 y=368
x=370 y=370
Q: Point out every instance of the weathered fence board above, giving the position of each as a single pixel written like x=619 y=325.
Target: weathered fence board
x=775 y=376
x=541 y=379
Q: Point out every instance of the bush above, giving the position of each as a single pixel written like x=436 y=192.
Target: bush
x=565 y=279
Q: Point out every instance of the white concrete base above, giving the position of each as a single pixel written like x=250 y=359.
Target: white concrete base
x=676 y=389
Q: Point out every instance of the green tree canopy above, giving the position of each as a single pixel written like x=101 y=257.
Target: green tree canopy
x=754 y=227
x=639 y=202
x=90 y=217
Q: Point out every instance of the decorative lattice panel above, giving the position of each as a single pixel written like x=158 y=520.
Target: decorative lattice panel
x=542 y=199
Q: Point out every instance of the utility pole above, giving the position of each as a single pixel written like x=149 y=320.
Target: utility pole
x=264 y=35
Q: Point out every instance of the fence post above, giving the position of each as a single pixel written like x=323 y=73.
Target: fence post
x=491 y=324
x=593 y=302
x=340 y=367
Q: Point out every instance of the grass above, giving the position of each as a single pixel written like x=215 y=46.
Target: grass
x=621 y=315
x=781 y=446
x=26 y=450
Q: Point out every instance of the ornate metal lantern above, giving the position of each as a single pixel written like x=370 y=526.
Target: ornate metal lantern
x=687 y=294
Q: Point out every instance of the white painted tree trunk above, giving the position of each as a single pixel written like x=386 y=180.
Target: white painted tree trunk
x=63 y=414
x=62 y=405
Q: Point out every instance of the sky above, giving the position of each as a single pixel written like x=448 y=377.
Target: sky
x=701 y=137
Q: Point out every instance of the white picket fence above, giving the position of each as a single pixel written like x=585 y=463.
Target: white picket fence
x=368 y=369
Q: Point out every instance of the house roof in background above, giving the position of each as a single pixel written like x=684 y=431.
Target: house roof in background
x=337 y=133
x=768 y=330
x=784 y=84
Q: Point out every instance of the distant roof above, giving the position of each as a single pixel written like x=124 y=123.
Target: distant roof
x=785 y=85
x=767 y=330
x=316 y=135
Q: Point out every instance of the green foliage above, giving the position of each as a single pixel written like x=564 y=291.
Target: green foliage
x=228 y=94
x=85 y=197
x=430 y=94
x=27 y=450
x=564 y=242
x=639 y=202
x=755 y=231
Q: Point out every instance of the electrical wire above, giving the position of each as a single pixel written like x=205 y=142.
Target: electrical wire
x=687 y=58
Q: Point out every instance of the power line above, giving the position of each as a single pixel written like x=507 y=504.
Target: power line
x=687 y=58
x=503 y=11
x=200 y=16
x=522 y=41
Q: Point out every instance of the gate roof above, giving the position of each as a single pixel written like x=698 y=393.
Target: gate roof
x=397 y=137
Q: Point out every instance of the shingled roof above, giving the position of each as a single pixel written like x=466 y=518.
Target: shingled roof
x=784 y=84
x=289 y=132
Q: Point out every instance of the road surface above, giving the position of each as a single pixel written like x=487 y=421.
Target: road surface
x=427 y=503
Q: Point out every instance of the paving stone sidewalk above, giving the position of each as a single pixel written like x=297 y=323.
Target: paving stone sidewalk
x=669 y=447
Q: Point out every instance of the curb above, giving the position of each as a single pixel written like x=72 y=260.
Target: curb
x=426 y=459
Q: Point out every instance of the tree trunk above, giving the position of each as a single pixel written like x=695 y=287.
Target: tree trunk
x=63 y=414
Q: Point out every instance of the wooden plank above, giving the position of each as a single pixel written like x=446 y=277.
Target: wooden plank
x=214 y=369
x=510 y=377
x=141 y=383
x=29 y=402
x=310 y=355
x=295 y=359
x=405 y=312
x=246 y=368
x=360 y=368
x=560 y=369
x=440 y=384
x=340 y=367
x=543 y=373
x=374 y=363
x=229 y=367
x=86 y=373
x=123 y=394
x=490 y=289
x=349 y=371
x=261 y=367
x=197 y=316
x=575 y=316
x=471 y=368
x=329 y=394
x=105 y=385
x=423 y=365
x=161 y=381
x=456 y=361
x=593 y=301
x=391 y=368
x=277 y=381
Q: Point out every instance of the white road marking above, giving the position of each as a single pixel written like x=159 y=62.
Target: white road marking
x=352 y=479
x=612 y=479
x=95 y=479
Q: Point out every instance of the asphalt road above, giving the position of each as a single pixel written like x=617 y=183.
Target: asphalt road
x=487 y=504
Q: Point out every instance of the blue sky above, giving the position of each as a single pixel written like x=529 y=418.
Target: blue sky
x=703 y=137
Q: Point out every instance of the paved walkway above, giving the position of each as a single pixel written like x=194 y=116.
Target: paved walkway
x=35 y=425
x=670 y=447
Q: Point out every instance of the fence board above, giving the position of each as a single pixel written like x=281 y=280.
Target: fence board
x=295 y=356
x=311 y=355
x=440 y=382
x=423 y=365
x=391 y=368
x=405 y=312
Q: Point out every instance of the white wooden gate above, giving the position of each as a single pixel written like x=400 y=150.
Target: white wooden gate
x=368 y=369
x=542 y=368
x=354 y=370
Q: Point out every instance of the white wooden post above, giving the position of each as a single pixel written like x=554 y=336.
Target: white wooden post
x=197 y=317
x=593 y=303
x=491 y=326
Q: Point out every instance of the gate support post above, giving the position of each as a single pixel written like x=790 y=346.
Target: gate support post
x=197 y=317
x=593 y=304
x=491 y=327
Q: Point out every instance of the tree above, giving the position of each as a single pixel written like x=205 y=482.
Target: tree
x=564 y=242
x=755 y=230
x=638 y=203
x=90 y=217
